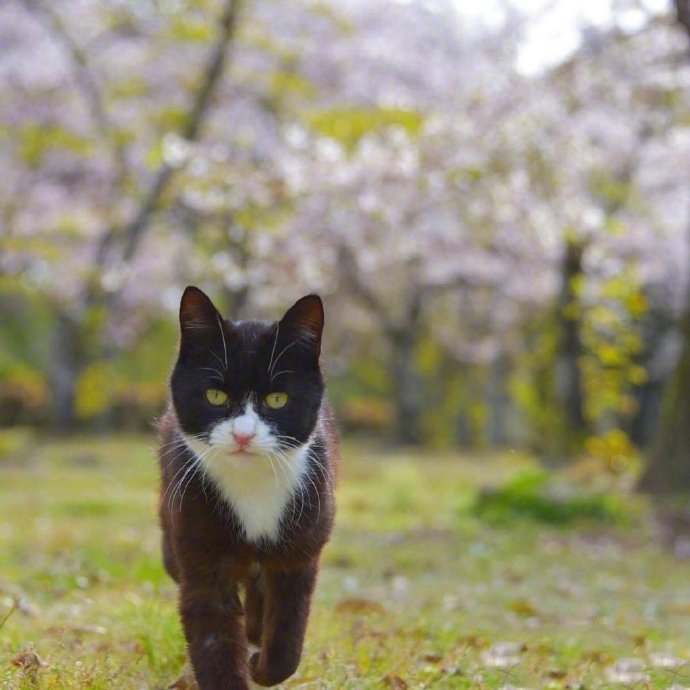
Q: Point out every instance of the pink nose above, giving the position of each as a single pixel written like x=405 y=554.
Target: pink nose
x=242 y=439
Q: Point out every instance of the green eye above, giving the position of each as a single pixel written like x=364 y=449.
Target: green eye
x=216 y=397
x=276 y=400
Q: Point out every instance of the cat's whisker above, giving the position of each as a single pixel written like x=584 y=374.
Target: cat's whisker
x=281 y=466
x=172 y=486
x=217 y=356
x=273 y=469
x=318 y=497
x=178 y=441
x=283 y=371
x=283 y=470
x=282 y=352
x=299 y=486
x=179 y=449
x=189 y=464
x=214 y=371
x=194 y=467
x=273 y=351
x=222 y=334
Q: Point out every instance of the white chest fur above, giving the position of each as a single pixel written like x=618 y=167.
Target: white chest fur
x=257 y=487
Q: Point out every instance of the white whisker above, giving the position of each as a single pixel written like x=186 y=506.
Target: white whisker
x=282 y=352
x=284 y=371
x=217 y=356
x=222 y=334
x=273 y=351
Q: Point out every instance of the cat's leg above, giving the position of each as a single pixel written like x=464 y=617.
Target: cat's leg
x=286 y=611
x=213 y=622
x=254 y=609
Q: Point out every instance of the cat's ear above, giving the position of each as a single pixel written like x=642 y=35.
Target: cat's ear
x=304 y=320
x=197 y=312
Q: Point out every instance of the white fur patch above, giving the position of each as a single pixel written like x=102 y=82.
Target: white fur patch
x=257 y=485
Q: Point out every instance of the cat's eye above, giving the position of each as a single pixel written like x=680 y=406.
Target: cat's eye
x=276 y=400
x=216 y=397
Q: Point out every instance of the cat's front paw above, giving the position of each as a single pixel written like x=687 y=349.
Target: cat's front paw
x=273 y=672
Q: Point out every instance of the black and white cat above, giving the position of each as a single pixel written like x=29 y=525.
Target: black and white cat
x=248 y=460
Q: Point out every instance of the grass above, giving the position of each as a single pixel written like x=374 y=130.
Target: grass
x=418 y=590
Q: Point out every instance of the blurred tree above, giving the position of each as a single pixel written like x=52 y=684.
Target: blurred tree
x=117 y=245
x=668 y=469
x=570 y=351
x=431 y=200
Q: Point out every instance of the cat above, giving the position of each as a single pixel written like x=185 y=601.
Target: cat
x=248 y=461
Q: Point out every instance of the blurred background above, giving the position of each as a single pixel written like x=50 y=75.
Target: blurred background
x=492 y=198
x=493 y=201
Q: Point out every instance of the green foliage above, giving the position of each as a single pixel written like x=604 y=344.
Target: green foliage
x=94 y=389
x=613 y=344
x=288 y=82
x=615 y=450
x=131 y=386
x=532 y=385
x=35 y=141
x=190 y=29
x=611 y=191
x=348 y=125
x=608 y=315
x=531 y=495
x=361 y=395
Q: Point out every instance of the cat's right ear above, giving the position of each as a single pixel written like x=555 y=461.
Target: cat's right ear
x=197 y=312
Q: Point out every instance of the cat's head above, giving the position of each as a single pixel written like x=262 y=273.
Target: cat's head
x=247 y=389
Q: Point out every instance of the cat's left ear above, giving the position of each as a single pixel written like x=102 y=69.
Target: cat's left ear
x=304 y=320
x=197 y=312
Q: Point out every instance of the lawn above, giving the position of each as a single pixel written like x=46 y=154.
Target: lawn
x=416 y=590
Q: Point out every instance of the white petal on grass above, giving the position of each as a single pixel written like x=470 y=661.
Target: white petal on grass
x=503 y=655
x=663 y=660
x=628 y=671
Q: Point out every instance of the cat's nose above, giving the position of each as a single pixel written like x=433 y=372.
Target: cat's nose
x=242 y=439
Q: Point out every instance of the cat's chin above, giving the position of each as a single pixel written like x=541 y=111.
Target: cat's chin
x=240 y=458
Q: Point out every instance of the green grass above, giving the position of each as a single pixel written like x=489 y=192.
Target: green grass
x=418 y=590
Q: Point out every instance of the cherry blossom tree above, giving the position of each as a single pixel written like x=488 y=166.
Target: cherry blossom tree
x=433 y=201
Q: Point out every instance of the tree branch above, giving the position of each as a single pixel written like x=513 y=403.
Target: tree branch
x=683 y=13
x=86 y=84
x=349 y=269
x=211 y=75
x=214 y=68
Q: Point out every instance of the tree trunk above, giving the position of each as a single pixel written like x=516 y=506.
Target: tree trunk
x=236 y=298
x=498 y=403
x=568 y=377
x=668 y=470
x=67 y=357
x=406 y=390
x=648 y=397
x=658 y=330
